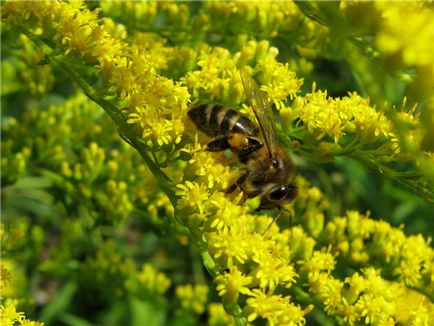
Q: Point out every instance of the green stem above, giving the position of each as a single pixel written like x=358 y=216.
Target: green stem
x=213 y=269
x=423 y=190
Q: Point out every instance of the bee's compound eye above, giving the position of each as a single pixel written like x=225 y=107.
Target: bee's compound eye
x=279 y=193
x=284 y=192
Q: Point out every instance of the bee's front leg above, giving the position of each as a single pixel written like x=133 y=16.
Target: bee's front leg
x=238 y=183
x=253 y=145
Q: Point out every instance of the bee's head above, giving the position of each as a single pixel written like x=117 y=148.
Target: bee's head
x=280 y=165
x=278 y=195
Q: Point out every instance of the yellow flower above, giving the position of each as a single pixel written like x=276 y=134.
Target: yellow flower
x=124 y=78
x=413 y=308
x=375 y=310
x=192 y=195
x=231 y=284
x=410 y=43
x=230 y=248
x=218 y=316
x=284 y=82
x=193 y=297
x=357 y=286
x=378 y=286
x=152 y=281
x=272 y=272
x=272 y=269
x=335 y=117
x=226 y=214
x=415 y=256
x=210 y=170
x=76 y=30
x=329 y=291
x=319 y=262
x=10 y=316
x=277 y=310
x=218 y=77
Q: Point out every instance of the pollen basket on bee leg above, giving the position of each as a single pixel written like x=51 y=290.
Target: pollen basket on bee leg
x=238 y=140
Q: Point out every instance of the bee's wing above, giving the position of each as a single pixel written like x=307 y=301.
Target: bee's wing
x=263 y=112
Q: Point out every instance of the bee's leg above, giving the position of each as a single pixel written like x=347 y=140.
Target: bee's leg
x=219 y=144
x=237 y=183
x=254 y=145
x=246 y=151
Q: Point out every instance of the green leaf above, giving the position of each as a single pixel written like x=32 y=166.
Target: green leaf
x=74 y=320
x=32 y=182
x=59 y=304
x=146 y=313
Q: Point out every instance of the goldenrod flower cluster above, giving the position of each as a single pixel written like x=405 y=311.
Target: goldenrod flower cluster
x=157 y=283
x=9 y=316
x=118 y=209
x=193 y=298
x=401 y=45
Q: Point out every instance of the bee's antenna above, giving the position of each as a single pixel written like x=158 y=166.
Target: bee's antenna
x=290 y=219
x=276 y=218
x=269 y=225
x=290 y=224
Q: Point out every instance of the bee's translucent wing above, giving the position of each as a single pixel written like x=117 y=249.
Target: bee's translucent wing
x=263 y=112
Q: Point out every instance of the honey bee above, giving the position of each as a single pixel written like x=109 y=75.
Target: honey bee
x=268 y=171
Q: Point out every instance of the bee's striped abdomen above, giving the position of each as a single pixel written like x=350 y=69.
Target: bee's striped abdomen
x=215 y=120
